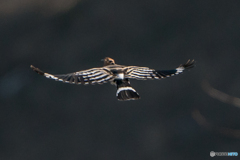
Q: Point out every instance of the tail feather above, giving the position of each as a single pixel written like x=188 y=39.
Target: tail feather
x=125 y=91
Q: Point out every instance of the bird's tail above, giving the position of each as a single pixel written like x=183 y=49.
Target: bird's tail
x=125 y=92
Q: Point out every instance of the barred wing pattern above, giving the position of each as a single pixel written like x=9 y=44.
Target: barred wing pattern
x=143 y=73
x=90 y=76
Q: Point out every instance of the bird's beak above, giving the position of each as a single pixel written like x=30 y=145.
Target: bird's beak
x=102 y=59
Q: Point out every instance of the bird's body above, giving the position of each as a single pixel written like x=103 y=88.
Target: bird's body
x=119 y=75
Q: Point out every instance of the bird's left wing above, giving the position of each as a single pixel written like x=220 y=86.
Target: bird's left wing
x=89 y=76
x=144 y=73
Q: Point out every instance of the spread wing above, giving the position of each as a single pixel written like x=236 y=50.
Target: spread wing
x=90 y=76
x=144 y=73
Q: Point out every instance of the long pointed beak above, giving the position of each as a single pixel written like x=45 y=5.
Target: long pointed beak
x=102 y=59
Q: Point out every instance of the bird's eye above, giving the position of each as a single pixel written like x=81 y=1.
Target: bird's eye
x=110 y=61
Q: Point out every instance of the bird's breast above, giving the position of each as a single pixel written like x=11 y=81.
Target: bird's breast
x=118 y=72
x=119 y=76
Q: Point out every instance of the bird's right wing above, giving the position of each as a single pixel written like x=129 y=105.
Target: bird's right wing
x=89 y=76
x=144 y=73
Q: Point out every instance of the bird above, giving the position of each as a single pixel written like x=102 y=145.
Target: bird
x=116 y=74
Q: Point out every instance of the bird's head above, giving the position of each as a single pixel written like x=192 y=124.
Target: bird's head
x=108 y=61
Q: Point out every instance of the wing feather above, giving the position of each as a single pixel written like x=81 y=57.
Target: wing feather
x=90 y=76
x=144 y=73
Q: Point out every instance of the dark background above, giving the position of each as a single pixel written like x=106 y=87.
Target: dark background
x=43 y=119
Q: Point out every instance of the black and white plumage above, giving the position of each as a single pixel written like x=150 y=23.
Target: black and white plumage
x=119 y=75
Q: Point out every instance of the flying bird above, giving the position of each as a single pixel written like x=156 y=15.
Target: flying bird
x=118 y=75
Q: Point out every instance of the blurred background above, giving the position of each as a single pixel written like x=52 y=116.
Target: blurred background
x=182 y=117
